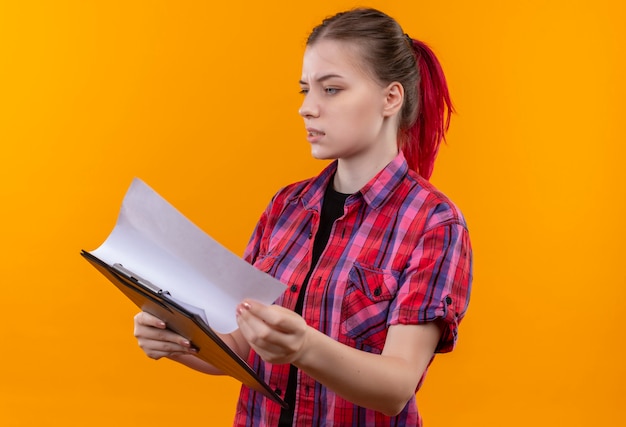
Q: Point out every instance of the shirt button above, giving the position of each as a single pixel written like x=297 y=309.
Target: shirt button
x=293 y=288
x=448 y=300
x=377 y=292
x=278 y=391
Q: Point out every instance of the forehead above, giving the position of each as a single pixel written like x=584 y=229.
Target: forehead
x=333 y=57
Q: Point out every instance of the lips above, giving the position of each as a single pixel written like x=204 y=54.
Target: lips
x=314 y=132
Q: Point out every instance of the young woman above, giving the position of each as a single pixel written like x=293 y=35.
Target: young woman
x=377 y=261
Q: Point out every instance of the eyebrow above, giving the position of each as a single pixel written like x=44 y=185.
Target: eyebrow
x=322 y=78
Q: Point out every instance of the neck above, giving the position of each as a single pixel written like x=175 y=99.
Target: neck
x=353 y=174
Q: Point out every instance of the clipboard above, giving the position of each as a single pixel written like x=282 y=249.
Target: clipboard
x=211 y=348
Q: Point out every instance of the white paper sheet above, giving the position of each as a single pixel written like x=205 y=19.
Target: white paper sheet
x=157 y=243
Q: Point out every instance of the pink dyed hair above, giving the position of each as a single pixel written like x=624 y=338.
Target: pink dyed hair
x=423 y=138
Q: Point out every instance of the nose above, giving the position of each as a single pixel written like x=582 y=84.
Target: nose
x=309 y=108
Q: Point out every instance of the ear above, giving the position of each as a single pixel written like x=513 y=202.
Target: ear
x=394 y=98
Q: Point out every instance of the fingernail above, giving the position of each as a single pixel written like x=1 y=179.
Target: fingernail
x=246 y=306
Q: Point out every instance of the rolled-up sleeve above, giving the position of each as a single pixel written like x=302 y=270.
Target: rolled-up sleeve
x=436 y=284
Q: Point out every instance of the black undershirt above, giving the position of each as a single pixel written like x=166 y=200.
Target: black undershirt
x=332 y=209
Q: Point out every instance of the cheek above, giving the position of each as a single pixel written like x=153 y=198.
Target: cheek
x=360 y=112
x=366 y=106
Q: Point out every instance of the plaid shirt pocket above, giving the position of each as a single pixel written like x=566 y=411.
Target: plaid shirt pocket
x=365 y=307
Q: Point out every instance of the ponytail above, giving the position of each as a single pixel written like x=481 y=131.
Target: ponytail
x=424 y=136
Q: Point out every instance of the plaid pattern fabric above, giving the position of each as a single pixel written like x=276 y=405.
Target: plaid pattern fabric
x=400 y=255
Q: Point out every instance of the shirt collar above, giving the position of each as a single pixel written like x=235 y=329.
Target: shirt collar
x=374 y=193
x=379 y=188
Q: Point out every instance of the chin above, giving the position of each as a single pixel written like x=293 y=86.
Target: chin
x=321 y=155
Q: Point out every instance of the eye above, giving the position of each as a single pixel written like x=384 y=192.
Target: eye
x=303 y=91
x=331 y=90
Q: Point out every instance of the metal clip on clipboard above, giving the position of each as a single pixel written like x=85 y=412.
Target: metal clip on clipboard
x=135 y=278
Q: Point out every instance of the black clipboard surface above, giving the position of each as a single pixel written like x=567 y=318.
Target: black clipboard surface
x=211 y=348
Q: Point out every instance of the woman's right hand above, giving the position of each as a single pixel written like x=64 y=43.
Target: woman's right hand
x=156 y=340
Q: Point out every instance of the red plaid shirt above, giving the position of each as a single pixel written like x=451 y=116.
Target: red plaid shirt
x=400 y=254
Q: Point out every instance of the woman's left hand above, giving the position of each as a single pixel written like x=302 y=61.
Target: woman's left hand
x=277 y=334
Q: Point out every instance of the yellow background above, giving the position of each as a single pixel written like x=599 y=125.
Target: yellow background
x=200 y=100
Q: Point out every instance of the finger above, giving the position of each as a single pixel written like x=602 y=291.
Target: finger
x=148 y=319
x=271 y=345
x=155 y=334
x=149 y=327
x=258 y=340
x=252 y=327
x=249 y=308
x=274 y=316
x=157 y=349
x=282 y=319
x=259 y=333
